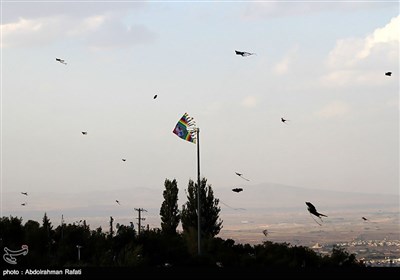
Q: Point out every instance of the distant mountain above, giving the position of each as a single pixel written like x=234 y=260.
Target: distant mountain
x=128 y=198
x=270 y=195
x=267 y=196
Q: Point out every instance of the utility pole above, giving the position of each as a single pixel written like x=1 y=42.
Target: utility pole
x=140 y=210
x=198 y=195
x=79 y=252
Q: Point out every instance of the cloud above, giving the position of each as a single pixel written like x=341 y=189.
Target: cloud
x=282 y=67
x=30 y=32
x=354 y=61
x=113 y=34
x=274 y=9
x=389 y=34
x=334 y=109
x=98 y=24
x=343 y=55
x=76 y=10
x=86 y=25
x=249 y=102
x=97 y=32
x=351 y=51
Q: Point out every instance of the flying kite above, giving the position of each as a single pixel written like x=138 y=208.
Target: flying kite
x=241 y=176
x=155 y=96
x=117 y=202
x=124 y=159
x=238 y=190
x=84 y=132
x=388 y=73
x=311 y=208
x=24 y=193
x=365 y=219
x=265 y=232
x=61 y=61
x=243 y=53
x=186 y=128
x=23 y=204
x=283 y=120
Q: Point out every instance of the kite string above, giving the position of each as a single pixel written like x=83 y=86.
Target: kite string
x=230 y=206
x=226 y=204
x=315 y=220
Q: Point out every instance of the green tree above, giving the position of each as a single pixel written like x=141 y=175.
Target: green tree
x=169 y=212
x=123 y=245
x=340 y=257
x=47 y=227
x=46 y=238
x=210 y=222
x=11 y=232
x=36 y=239
x=111 y=234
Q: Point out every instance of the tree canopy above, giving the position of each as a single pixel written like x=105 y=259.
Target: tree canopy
x=169 y=212
x=210 y=222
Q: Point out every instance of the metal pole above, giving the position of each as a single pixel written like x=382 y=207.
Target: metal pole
x=79 y=252
x=140 y=210
x=198 y=195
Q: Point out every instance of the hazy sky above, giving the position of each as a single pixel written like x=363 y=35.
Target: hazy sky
x=320 y=65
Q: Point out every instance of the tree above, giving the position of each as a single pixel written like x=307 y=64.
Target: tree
x=11 y=232
x=340 y=257
x=169 y=212
x=47 y=227
x=111 y=234
x=46 y=238
x=210 y=222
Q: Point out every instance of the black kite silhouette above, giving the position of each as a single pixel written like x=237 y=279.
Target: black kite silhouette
x=388 y=73
x=311 y=208
x=24 y=193
x=237 y=190
x=283 y=120
x=243 y=53
x=61 y=61
x=241 y=176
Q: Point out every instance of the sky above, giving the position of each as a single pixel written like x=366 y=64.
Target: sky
x=320 y=65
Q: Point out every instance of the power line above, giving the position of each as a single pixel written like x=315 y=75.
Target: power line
x=140 y=210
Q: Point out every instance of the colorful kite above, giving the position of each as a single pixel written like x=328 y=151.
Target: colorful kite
x=185 y=128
